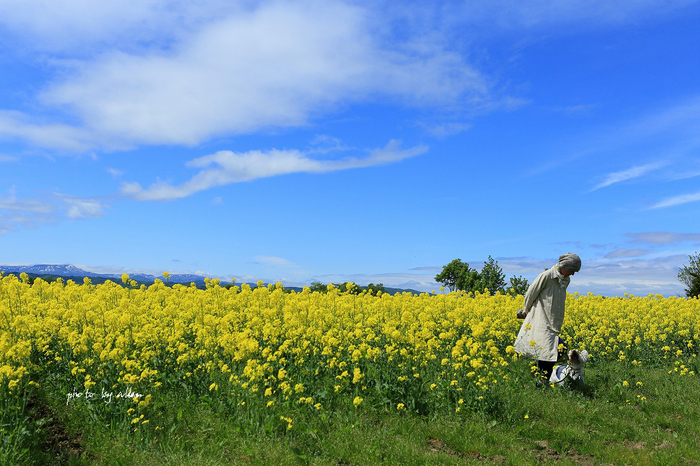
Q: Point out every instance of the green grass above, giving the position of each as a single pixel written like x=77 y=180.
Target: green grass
x=656 y=422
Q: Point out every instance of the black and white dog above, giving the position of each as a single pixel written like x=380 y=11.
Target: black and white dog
x=572 y=373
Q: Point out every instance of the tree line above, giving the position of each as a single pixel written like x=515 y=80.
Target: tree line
x=349 y=287
x=458 y=275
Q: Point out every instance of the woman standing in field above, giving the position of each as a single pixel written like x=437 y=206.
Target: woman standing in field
x=543 y=311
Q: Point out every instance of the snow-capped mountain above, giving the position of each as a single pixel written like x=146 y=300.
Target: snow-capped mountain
x=68 y=270
x=46 y=269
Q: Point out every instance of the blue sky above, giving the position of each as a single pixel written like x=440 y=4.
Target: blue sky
x=347 y=140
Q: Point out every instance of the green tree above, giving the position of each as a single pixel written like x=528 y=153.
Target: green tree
x=455 y=275
x=492 y=277
x=518 y=285
x=689 y=275
x=318 y=286
x=374 y=289
x=470 y=281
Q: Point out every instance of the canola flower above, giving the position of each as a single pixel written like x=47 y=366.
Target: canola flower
x=264 y=350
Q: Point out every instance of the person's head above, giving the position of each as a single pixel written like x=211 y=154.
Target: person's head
x=566 y=272
x=569 y=264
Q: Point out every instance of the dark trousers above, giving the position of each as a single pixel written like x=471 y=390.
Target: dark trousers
x=545 y=368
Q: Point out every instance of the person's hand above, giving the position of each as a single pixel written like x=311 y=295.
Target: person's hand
x=520 y=314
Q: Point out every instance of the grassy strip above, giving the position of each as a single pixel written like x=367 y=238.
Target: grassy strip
x=625 y=415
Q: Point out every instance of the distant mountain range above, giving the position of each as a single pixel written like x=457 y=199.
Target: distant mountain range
x=71 y=272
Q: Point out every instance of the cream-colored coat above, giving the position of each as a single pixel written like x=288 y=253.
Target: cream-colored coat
x=544 y=305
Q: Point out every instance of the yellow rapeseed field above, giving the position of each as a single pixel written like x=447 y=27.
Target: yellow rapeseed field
x=264 y=350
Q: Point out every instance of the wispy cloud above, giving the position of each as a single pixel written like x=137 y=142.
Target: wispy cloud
x=581 y=109
x=18 y=126
x=581 y=13
x=606 y=276
x=226 y=167
x=685 y=175
x=158 y=72
x=681 y=118
x=301 y=60
x=664 y=237
x=71 y=25
x=12 y=203
x=29 y=213
x=626 y=253
x=613 y=276
x=625 y=175
x=676 y=200
x=77 y=207
x=428 y=268
x=274 y=261
x=674 y=127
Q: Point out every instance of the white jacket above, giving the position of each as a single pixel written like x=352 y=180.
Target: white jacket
x=544 y=308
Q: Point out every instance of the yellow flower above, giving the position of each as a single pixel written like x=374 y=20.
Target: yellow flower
x=357 y=375
x=356 y=402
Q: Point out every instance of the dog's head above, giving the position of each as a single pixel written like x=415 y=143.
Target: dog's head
x=578 y=358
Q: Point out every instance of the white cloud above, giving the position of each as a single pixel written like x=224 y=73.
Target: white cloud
x=675 y=127
x=85 y=26
x=278 y=65
x=625 y=175
x=428 y=268
x=274 y=261
x=626 y=253
x=568 y=15
x=629 y=275
x=29 y=213
x=83 y=207
x=664 y=237
x=681 y=118
x=174 y=72
x=16 y=125
x=33 y=206
x=600 y=276
x=684 y=174
x=611 y=276
x=226 y=167
x=72 y=25
x=677 y=200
